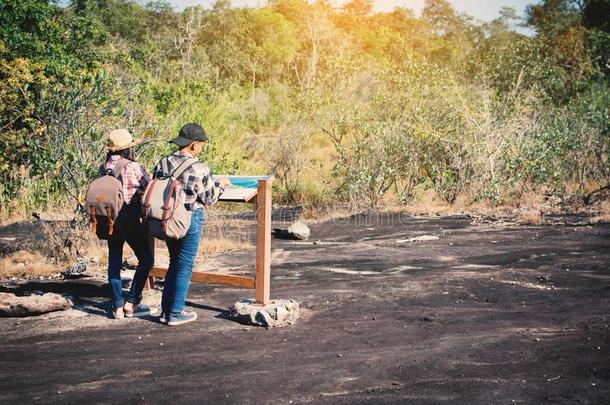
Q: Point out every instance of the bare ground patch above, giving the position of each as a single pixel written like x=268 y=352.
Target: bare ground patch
x=484 y=314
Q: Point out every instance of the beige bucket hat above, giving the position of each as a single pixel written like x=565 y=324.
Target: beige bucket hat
x=120 y=139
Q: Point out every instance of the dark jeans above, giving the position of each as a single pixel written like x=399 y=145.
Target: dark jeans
x=182 y=253
x=135 y=234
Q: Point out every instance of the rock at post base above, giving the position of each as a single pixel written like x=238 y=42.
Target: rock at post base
x=12 y=305
x=296 y=231
x=276 y=313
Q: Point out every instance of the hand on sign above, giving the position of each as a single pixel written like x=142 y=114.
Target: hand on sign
x=223 y=181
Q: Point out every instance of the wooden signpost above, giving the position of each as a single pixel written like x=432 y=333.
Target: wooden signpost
x=261 y=196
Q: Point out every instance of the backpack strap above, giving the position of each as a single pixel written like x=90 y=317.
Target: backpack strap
x=184 y=166
x=166 y=204
x=148 y=194
x=164 y=166
x=118 y=168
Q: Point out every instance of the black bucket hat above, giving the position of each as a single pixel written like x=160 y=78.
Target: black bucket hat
x=189 y=133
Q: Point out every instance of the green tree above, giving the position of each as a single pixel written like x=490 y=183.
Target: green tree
x=596 y=17
x=457 y=35
x=596 y=14
x=552 y=17
x=562 y=38
x=28 y=28
x=248 y=45
x=41 y=31
x=359 y=7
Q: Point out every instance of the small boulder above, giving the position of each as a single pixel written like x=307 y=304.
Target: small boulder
x=276 y=313
x=296 y=231
x=76 y=271
x=12 y=305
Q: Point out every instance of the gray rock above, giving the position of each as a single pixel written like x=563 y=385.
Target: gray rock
x=277 y=313
x=78 y=270
x=12 y=305
x=296 y=231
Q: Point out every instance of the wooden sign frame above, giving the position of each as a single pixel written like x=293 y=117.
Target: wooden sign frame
x=261 y=283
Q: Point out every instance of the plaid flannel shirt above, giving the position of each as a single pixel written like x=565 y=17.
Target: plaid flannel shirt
x=197 y=183
x=133 y=176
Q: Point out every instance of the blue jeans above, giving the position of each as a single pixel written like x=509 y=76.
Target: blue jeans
x=136 y=236
x=182 y=253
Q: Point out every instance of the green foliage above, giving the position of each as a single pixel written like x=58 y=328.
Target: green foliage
x=40 y=31
x=29 y=28
x=342 y=102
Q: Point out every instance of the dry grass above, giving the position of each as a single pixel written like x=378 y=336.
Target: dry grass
x=604 y=214
x=67 y=243
x=314 y=213
x=98 y=253
x=529 y=208
x=221 y=235
x=9 y=219
x=530 y=217
x=222 y=244
x=225 y=235
x=428 y=203
x=601 y=219
x=530 y=201
x=22 y=264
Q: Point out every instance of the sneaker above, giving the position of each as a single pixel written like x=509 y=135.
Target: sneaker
x=140 y=310
x=184 y=317
x=163 y=319
x=118 y=313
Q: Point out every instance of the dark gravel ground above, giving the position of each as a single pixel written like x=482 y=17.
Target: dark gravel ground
x=483 y=314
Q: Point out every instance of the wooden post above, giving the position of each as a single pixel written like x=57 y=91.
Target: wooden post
x=263 y=241
x=262 y=281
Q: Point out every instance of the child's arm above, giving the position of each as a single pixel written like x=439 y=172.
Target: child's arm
x=209 y=192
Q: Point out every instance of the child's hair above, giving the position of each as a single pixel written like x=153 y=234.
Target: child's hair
x=124 y=153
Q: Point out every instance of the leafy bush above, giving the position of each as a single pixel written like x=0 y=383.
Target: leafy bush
x=346 y=104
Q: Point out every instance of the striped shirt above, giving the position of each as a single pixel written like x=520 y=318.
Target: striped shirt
x=133 y=176
x=197 y=183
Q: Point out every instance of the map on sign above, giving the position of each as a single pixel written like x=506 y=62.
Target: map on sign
x=241 y=189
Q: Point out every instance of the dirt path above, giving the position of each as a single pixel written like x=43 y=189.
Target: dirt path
x=482 y=314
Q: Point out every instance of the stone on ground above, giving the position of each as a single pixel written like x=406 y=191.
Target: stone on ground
x=78 y=270
x=296 y=231
x=277 y=313
x=12 y=305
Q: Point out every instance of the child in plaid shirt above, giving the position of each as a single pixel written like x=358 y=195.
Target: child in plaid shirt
x=200 y=190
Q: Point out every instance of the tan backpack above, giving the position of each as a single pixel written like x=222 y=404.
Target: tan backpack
x=163 y=209
x=105 y=200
